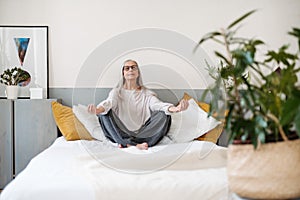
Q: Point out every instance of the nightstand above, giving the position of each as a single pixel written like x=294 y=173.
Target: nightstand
x=27 y=127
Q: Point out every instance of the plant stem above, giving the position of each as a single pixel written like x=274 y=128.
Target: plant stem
x=230 y=60
x=275 y=119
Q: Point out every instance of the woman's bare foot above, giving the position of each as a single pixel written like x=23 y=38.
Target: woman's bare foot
x=142 y=146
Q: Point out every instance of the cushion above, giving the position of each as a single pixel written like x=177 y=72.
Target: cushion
x=191 y=123
x=70 y=127
x=202 y=105
x=90 y=121
x=205 y=106
x=214 y=134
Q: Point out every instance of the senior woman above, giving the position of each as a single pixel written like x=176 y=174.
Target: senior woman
x=132 y=114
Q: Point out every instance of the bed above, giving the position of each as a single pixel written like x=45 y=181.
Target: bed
x=176 y=168
x=84 y=170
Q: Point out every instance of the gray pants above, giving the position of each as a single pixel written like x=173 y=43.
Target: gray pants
x=155 y=128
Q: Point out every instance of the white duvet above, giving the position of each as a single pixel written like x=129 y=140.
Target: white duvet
x=90 y=170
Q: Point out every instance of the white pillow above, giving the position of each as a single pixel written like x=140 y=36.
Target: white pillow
x=90 y=121
x=190 y=124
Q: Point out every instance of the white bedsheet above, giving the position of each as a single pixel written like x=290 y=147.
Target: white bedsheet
x=88 y=170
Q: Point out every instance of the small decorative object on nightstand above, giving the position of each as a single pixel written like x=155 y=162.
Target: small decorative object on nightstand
x=12 y=91
x=36 y=93
x=13 y=78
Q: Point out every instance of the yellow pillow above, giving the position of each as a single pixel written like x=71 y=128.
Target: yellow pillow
x=70 y=127
x=202 y=105
x=214 y=134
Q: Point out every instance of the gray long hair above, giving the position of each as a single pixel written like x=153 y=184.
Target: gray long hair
x=139 y=80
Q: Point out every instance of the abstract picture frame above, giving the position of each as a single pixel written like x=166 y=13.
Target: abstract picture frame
x=25 y=47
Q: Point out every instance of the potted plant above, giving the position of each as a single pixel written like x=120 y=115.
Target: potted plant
x=263 y=122
x=13 y=78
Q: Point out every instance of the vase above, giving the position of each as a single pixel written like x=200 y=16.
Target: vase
x=12 y=91
x=269 y=172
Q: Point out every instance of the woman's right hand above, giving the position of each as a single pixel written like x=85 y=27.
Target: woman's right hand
x=92 y=108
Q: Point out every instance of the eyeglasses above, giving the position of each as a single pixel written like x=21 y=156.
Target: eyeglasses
x=133 y=67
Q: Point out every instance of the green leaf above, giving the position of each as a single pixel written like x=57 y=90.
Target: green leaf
x=209 y=36
x=296 y=93
x=245 y=97
x=261 y=122
x=244 y=57
x=257 y=42
x=262 y=137
x=290 y=108
x=281 y=56
x=297 y=122
x=254 y=141
x=229 y=117
x=240 y=19
x=296 y=32
x=238 y=40
x=222 y=57
x=245 y=136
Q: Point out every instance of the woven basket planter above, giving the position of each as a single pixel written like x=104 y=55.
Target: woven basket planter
x=272 y=171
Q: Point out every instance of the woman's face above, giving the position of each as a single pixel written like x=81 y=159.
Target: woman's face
x=130 y=70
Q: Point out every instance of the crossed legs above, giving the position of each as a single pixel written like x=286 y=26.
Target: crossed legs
x=155 y=128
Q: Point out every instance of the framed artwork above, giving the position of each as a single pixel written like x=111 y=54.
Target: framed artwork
x=25 y=47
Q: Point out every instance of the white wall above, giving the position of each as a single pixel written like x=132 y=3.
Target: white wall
x=78 y=27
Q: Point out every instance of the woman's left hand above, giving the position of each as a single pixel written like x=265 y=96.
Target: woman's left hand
x=183 y=105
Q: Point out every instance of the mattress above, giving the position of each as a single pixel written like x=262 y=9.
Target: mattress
x=93 y=170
